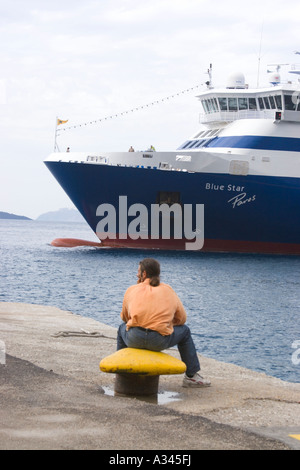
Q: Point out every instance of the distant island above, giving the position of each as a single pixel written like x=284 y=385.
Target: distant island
x=7 y=215
x=61 y=215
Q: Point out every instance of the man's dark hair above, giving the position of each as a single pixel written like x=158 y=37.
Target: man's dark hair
x=152 y=268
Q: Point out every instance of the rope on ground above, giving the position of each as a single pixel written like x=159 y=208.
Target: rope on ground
x=88 y=334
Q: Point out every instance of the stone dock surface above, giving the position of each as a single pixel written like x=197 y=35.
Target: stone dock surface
x=53 y=395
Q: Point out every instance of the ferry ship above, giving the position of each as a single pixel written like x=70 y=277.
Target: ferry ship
x=242 y=167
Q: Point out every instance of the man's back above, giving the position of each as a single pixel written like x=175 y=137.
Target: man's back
x=157 y=308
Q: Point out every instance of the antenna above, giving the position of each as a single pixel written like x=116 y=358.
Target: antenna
x=209 y=72
x=278 y=66
x=259 y=54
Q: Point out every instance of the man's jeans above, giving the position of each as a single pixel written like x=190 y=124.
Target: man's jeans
x=142 y=338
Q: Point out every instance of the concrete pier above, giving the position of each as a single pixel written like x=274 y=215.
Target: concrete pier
x=53 y=395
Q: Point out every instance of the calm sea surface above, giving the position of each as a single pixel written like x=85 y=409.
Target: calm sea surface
x=242 y=309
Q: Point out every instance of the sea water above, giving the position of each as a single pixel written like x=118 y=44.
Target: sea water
x=242 y=309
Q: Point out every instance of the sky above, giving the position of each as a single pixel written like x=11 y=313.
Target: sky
x=82 y=61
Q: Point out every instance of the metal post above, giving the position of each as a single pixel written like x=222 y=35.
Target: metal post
x=136 y=384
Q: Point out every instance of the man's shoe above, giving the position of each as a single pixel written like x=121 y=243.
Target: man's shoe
x=195 y=381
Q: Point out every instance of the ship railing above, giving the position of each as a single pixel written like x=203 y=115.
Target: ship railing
x=97 y=159
x=230 y=116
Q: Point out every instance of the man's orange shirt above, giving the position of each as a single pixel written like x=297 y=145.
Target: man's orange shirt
x=158 y=308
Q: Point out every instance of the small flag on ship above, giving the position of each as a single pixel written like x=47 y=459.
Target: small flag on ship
x=59 y=121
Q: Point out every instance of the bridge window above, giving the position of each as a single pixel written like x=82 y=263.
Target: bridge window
x=288 y=103
x=212 y=105
x=243 y=103
x=261 y=103
x=252 y=103
x=266 y=101
x=232 y=104
x=278 y=101
x=208 y=106
x=203 y=102
x=272 y=102
x=223 y=104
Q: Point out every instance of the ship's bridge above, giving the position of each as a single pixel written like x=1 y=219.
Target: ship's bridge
x=279 y=102
x=237 y=101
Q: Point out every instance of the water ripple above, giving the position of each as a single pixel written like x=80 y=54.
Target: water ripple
x=241 y=308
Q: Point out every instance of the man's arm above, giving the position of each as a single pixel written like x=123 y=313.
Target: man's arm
x=124 y=313
x=180 y=314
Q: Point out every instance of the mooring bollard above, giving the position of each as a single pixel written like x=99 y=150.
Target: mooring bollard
x=138 y=370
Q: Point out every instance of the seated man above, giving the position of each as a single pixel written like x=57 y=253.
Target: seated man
x=154 y=318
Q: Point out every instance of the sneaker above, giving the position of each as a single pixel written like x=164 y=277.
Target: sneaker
x=195 y=381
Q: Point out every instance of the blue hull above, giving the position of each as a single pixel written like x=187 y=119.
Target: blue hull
x=241 y=213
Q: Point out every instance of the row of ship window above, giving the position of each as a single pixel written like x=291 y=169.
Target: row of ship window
x=194 y=144
x=205 y=137
x=213 y=105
